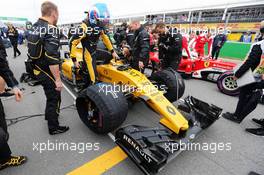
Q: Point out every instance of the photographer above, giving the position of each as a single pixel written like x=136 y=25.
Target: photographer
x=250 y=94
x=170 y=47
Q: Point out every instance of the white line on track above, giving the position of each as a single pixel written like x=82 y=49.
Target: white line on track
x=69 y=91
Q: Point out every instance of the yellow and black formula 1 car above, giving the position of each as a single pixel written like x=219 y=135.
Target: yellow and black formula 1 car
x=104 y=106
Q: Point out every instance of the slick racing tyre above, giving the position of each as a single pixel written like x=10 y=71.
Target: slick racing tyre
x=171 y=82
x=227 y=85
x=101 y=108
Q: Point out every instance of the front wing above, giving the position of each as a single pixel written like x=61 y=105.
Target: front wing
x=152 y=148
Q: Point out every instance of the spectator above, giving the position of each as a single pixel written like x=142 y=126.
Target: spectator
x=246 y=37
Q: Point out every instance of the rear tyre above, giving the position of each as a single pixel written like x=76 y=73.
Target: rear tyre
x=101 y=108
x=227 y=85
x=170 y=81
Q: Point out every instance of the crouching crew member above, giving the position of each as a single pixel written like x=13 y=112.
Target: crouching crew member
x=170 y=47
x=92 y=28
x=43 y=49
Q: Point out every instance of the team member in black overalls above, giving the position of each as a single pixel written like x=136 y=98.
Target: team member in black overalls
x=12 y=34
x=121 y=35
x=218 y=42
x=250 y=94
x=91 y=29
x=170 y=47
x=6 y=159
x=130 y=37
x=43 y=49
x=141 y=46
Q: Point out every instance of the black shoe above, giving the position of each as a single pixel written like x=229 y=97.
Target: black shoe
x=231 y=117
x=58 y=130
x=6 y=94
x=253 y=173
x=8 y=89
x=259 y=121
x=13 y=161
x=256 y=131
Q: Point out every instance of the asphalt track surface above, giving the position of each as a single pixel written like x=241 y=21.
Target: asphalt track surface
x=246 y=152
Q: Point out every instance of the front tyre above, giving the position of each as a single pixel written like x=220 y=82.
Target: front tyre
x=101 y=108
x=227 y=85
x=170 y=82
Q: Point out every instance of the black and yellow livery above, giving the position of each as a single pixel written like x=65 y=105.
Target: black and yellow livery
x=103 y=107
x=43 y=52
x=88 y=36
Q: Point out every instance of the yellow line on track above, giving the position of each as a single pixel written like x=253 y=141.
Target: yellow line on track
x=102 y=163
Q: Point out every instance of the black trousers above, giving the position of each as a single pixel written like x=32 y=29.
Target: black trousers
x=248 y=99
x=171 y=62
x=14 y=44
x=5 y=151
x=53 y=98
x=85 y=72
x=215 y=52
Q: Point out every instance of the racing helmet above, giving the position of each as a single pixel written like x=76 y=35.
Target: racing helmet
x=99 y=14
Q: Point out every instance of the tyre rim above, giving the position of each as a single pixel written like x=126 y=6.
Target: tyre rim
x=94 y=115
x=229 y=83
